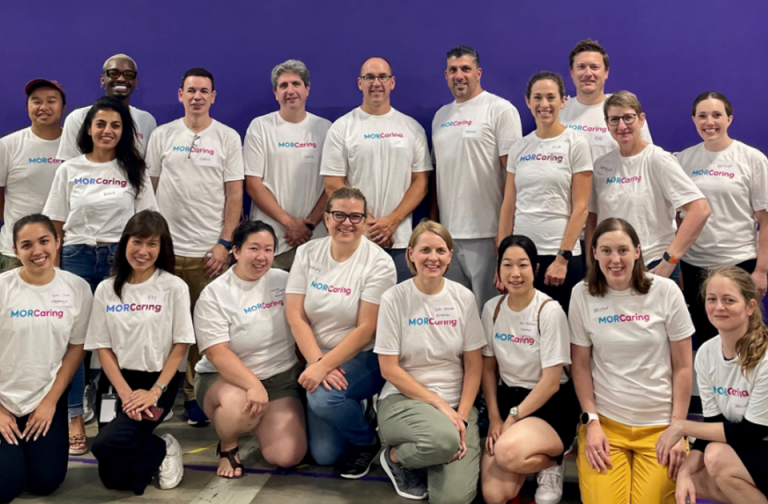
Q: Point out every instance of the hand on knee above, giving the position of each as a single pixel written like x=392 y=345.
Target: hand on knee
x=441 y=446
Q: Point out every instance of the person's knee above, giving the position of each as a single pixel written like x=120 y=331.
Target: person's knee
x=494 y=494
x=285 y=455
x=326 y=403
x=715 y=460
x=46 y=482
x=442 y=445
x=508 y=455
x=324 y=452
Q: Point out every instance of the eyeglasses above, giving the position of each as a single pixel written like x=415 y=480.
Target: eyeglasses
x=354 y=217
x=114 y=73
x=195 y=142
x=369 y=78
x=627 y=118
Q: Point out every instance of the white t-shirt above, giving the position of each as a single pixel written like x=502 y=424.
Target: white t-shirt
x=191 y=190
x=250 y=316
x=37 y=323
x=590 y=120
x=629 y=334
x=430 y=334
x=645 y=190
x=378 y=155
x=735 y=183
x=287 y=158
x=27 y=166
x=145 y=125
x=142 y=327
x=333 y=290
x=95 y=201
x=724 y=389
x=467 y=140
x=544 y=170
x=520 y=350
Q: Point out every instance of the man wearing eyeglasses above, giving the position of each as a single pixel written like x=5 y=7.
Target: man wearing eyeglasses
x=196 y=167
x=119 y=78
x=471 y=138
x=384 y=153
x=282 y=164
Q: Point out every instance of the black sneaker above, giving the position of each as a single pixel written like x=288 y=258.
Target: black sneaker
x=408 y=483
x=357 y=461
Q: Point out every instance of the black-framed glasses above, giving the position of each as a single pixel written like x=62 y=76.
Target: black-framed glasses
x=627 y=118
x=195 y=143
x=369 y=78
x=114 y=73
x=354 y=217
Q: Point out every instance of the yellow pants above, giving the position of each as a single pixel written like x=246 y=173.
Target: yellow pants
x=636 y=477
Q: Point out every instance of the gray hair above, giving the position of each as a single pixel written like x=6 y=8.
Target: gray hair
x=291 y=66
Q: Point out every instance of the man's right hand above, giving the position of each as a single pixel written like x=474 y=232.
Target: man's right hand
x=297 y=232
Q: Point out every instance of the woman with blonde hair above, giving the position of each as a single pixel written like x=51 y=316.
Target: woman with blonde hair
x=727 y=461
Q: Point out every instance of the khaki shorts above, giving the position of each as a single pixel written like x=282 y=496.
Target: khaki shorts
x=281 y=385
x=8 y=262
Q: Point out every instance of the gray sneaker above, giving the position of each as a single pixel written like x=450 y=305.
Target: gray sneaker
x=407 y=482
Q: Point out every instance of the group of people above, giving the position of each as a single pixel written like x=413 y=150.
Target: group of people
x=328 y=315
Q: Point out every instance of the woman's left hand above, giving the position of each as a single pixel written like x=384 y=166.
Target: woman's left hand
x=677 y=457
x=761 y=282
x=40 y=420
x=139 y=401
x=668 y=440
x=313 y=376
x=555 y=274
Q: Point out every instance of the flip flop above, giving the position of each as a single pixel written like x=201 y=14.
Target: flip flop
x=78 y=444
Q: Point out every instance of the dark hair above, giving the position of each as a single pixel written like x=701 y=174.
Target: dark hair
x=198 y=72
x=524 y=243
x=36 y=218
x=129 y=159
x=588 y=45
x=598 y=285
x=245 y=229
x=462 y=50
x=706 y=95
x=144 y=224
x=546 y=76
x=377 y=57
x=39 y=85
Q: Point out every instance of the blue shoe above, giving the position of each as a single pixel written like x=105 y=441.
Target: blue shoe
x=195 y=415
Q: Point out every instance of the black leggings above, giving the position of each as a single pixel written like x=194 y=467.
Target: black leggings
x=560 y=293
x=128 y=452
x=37 y=466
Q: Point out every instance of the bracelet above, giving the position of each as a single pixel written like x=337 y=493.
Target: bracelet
x=154 y=394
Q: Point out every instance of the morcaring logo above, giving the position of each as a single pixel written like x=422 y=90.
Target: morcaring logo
x=624 y=180
x=37 y=313
x=588 y=129
x=330 y=289
x=42 y=160
x=421 y=321
x=100 y=181
x=615 y=319
x=263 y=306
x=452 y=124
x=194 y=150
x=376 y=136
x=730 y=391
x=133 y=307
x=524 y=340
x=542 y=157
x=297 y=145
x=713 y=173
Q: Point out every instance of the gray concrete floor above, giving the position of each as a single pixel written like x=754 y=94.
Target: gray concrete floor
x=263 y=484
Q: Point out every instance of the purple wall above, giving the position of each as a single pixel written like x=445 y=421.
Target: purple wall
x=665 y=51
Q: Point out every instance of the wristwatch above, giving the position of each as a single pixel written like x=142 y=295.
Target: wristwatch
x=162 y=387
x=670 y=258
x=310 y=226
x=586 y=418
x=227 y=244
x=567 y=254
x=513 y=412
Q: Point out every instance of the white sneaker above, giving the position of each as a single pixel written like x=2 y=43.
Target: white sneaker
x=168 y=416
x=172 y=468
x=550 y=481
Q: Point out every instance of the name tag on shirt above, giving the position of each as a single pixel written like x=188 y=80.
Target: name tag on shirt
x=277 y=293
x=111 y=194
x=601 y=309
x=155 y=297
x=473 y=131
x=724 y=166
x=399 y=143
x=447 y=312
x=318 y=270
x=309 y=158
x=601 y=139
x=603 y=169
x=205 y=160
x=529 y=329
x=61 y=299
x=558 y=148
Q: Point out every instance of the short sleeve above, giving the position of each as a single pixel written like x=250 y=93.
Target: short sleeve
x=422 y=162
x=555 y=338
x=183 y=330
x=5 y=165
x=507 y=128
x=678 y=319
x=758 y=189
x=68 y=145
x=97 y=335
x=146 y=198
x=254 y=155
x=57 y=205
x=233 y=163
x=380 y=277
x=581 y=154
x=211 y=325
x=513 y=157
x=387 y=326
x=703 y=380
x=757 y=409
x=579 y=333
x=487 y=321
x=474 y=335
x=645 y=133
x=297 y=278
x=334 y=161
x=154 y=157
x=80 y=326
x=677 y=187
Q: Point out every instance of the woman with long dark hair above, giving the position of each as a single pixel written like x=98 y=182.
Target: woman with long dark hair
x=141 y=327
x=91 y=200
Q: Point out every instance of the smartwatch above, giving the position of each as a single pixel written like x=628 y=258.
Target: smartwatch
x=310 y=226
x=670 y=258
x=162 y=387
x=227 y=244
x=567 y=254
x=586 y=418
x=513 y=412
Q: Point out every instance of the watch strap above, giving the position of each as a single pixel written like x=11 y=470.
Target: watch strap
x=670 y=258
x=225 y=243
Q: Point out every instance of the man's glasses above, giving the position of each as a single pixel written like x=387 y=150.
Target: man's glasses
x=627 y=118
x=354 y=217
x=369 y=78
x=114 y=73
x=195 y=143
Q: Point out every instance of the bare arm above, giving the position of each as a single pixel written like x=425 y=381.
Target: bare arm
x=69 y=365
x=333 y=183
x=507 y=215
x=233 y=208
x=582 y=377
x=589 y=232
x=542 y=392
x=682 y=376
x=301 y=328
x=171 y=366
x=265 y=200
x=230 y=367
x=697 y=213
x=155 y=181
x=581 y=189
x=111 y=368
x=316 y=215
x=490 y=382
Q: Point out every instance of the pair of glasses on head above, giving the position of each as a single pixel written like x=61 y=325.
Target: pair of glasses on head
x=195 y=143
x=627 y=118
x=354 y=217
x=369 y=78
x=114 y=73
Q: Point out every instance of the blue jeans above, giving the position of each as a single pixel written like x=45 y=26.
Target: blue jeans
x=401 y=265
x=335 y=419
x=675 y=276
x=92 y=264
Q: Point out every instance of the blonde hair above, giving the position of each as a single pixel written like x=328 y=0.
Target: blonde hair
x=751 y=347
x=345 y=192
x=424 y=227
x=622 y=99
x=122 y=57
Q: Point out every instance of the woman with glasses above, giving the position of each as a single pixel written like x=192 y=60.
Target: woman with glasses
x=734 y=178
x=645 y=185
x=332 y=303
x=549 y=178
x=91 y=200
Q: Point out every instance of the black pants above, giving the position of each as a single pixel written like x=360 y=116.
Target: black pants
x=560 y=293
x=693 y=278
x=128 y=452
x=37 y=466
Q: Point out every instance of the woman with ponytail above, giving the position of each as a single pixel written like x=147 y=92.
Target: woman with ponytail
x=727 y=461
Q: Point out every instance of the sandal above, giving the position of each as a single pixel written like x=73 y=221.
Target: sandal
x=230 y=456
x=78 y=444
